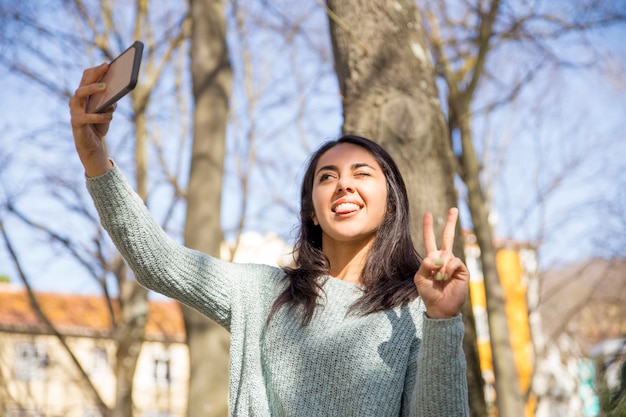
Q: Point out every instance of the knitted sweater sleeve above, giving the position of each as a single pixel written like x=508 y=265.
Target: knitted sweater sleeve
x=159 y=263
x=436 y=384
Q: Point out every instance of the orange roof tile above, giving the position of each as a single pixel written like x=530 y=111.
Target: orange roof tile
x=83 y=315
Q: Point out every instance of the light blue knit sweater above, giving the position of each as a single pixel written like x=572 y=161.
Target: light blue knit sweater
x=393 y=363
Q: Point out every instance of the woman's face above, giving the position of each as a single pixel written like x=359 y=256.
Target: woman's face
x=349 y=195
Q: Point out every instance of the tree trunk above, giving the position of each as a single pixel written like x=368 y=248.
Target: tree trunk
x=129 y=336
x=509 y=398
x=389 y=94
x=133 y=299
x=212 y=78
x=463 y=81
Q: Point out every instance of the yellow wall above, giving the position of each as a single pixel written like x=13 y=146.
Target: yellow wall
x=513 y=281
x=514 y=288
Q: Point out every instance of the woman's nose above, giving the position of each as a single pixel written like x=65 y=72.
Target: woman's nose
x=345 y=185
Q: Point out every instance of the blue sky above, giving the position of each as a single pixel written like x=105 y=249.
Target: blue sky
x=563 y=115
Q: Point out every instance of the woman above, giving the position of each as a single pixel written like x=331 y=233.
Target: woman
x=358 y=327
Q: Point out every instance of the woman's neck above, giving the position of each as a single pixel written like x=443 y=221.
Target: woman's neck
x=347 y=259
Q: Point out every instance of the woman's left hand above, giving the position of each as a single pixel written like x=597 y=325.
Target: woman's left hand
x=443 y=279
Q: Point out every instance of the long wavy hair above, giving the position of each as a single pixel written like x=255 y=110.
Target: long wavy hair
x=387 y=277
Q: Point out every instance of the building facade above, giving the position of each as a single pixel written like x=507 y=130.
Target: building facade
x=40 y=373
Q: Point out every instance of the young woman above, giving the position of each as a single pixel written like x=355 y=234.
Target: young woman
x=359 y=326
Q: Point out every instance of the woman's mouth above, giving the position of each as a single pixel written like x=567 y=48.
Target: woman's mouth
x=346 y=208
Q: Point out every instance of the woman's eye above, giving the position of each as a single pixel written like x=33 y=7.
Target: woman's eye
x=325 y=177
x=362 y=174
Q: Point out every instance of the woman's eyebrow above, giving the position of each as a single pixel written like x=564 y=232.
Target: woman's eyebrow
x=361 y=165
x=354 y=166
x=327 y=168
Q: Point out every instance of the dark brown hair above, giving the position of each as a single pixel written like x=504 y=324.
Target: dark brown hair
x=388 y=273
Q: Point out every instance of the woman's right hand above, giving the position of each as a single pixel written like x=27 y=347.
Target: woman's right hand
x=89 y=128
x=443 y=279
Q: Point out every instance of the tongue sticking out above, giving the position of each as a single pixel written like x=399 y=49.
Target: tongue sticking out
x=346 y=208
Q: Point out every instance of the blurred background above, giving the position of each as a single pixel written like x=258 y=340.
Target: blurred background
x=514 y=111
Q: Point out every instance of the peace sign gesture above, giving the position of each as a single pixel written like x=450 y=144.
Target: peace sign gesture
x=443 y=279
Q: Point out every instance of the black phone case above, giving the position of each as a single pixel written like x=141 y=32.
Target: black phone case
x=93 y=102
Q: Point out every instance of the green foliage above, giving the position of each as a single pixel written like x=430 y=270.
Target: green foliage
x=612 y=405
x=613 y=401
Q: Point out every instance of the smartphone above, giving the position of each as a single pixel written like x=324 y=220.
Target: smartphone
x=120 y=79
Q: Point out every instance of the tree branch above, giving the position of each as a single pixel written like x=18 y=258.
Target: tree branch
x=47 y=323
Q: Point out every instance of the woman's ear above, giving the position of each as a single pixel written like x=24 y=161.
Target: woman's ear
x=314 y=218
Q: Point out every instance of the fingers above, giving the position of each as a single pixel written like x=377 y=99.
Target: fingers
x=442 y=279
x=78 y=101
x=79 y=117
x=454 y=268
x=435 y=268
x=447 y=241
x=439 y=264
x=442 y=269
x=430 y=244
x=93 y=74
x=88 y=86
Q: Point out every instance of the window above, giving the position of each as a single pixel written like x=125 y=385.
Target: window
x=31 y=362
x=162 y=376
x=92 y=412
x=23 y=413
x=99 y=361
